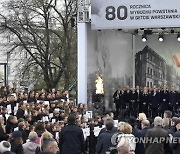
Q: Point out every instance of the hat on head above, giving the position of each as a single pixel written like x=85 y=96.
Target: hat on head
x=16 y=134
x=5 y=146
x=33 y=136
x=158 y=121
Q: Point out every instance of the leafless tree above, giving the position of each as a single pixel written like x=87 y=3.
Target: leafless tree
x=42 y=30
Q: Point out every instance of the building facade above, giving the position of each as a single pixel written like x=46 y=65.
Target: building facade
x=150 y=68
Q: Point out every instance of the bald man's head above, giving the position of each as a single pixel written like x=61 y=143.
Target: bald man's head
x=145 y=124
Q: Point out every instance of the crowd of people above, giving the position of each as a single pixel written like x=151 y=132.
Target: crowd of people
x=152 y=101
x=49 y=122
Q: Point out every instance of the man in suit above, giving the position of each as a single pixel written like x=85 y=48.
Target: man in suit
x=156 y=138
x=141 y=134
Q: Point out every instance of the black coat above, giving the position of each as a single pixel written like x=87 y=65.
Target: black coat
x=175 y=145
x=10 y=127
x=16 y=148
x=173 y=99
x=117 y=96
x=164 y=100
x=20 y=114
x=154 y=100
x=71 y=140
x=104 y=142
x=103 y=130
x=140 y=146
x=153 y=136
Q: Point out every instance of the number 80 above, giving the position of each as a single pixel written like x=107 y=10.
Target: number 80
x=110 y=13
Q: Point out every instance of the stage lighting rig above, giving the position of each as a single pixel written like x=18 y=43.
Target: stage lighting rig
x=161 y=38
x=144 y=38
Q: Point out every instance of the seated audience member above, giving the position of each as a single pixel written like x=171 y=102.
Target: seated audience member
x=30 y=146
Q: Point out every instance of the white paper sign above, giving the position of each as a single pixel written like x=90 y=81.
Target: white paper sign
x=44 y=119
x=96 y=131
x=25 y=101
x=46 y=103
x=50 y=115
x=88 y=114
x=53 y=121
x=86 y=133
x=16 y=129
x=57 y=136
x=132 y=14
x=9 y=109
x=115 y=123
x=7 y=116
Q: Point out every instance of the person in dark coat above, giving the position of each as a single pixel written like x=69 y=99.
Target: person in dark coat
x=156 y=139
x=173 y=99
x=20 y=111
x=11 y=124
x=154 y=102
x=139 y=94
x=71 y=138
x=16 y=142
x=144 y=102
x=175 y=144
x=133 y=99
x=141 y=134
x=164 y=100
x=104 y=139
x=127 y=98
